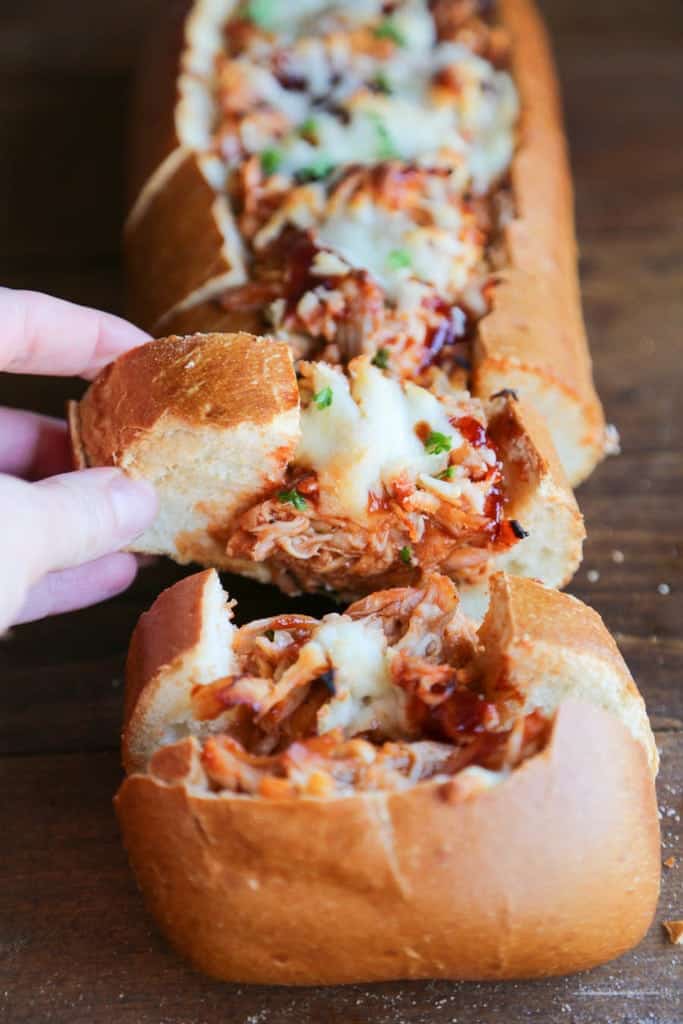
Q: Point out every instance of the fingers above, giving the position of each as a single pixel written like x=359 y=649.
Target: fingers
x=45 y=335
x=64 y=522
x=77 y=588
x=88 y=514
x=32 y=446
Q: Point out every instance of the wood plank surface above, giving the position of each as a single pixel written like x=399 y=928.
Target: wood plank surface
x=75 y=944
x=78 y=947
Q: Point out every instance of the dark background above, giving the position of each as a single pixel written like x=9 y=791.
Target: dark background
x=75 y=944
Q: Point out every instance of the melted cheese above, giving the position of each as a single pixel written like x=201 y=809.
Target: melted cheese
x=433 y=243
x=469 y=129
x=366 y=437
x=365 y=697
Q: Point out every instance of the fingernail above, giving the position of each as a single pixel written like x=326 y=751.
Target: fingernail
x=135 y=504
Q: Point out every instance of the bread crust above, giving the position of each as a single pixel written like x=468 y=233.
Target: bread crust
x=154 y=649
x=222 y=380
x=534 y=337
x=211 y=420
x=158 y=281
x=540 y=495
x=171 y=168
x=554 y=870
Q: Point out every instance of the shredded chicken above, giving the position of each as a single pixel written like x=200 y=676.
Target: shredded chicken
x=419 y=711
x=329 y=765
x=409 y=533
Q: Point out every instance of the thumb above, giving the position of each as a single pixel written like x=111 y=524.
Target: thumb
x=81 y=516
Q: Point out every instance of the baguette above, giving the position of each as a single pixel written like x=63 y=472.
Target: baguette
x=341 y=481
x=194 y=243
x=408 y=799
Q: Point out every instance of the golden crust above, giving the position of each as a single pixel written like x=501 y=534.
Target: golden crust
x=533 y=634
x=158 y=280
x=78 y=455
x=554 y=870
x=155 y=648
x=534 y=337
x=219 y=380
x=539 y=496
x=210 y=316
x=516 y=427
x=533 y=614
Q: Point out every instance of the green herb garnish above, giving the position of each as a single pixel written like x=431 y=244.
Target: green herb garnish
x=406 y=554
x=447 y=474
x=381 y=358
x=315 y=171
x=437 y=443
x=399 y=259
x=382 y=83
x=270 y=635
x=261 y=12
x=386 y=150
x=388 y=29
x=293 y=498
x=308 y=127
x=270 y=160
x=323 y=398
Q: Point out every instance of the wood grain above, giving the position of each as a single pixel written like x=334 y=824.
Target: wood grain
x=75 y=945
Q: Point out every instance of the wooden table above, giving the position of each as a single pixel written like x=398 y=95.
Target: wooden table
x=75 y=944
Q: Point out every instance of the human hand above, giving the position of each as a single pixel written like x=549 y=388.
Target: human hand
x=61 y=531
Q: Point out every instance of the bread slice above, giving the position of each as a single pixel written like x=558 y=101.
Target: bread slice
x=547 y=868
x=214 y=422
x=210 y=420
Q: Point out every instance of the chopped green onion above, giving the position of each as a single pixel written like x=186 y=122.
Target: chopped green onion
x=261 y=12
x=293 y=498
x=323 y=398
x=406 y=554
x=388 y=29
x=381 y=358
x=308 y=127
x=447 y=474
x=437 y=443
x=315 y=171
x=399 y=259
x=382 y=83
x=271 y=160
x=386 y=150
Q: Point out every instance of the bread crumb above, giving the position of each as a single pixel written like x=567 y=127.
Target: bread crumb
x=670 y=862
x=664 y=589
x=675 y=931
x=612 y=440
x=592 y=575
x=618 y=556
